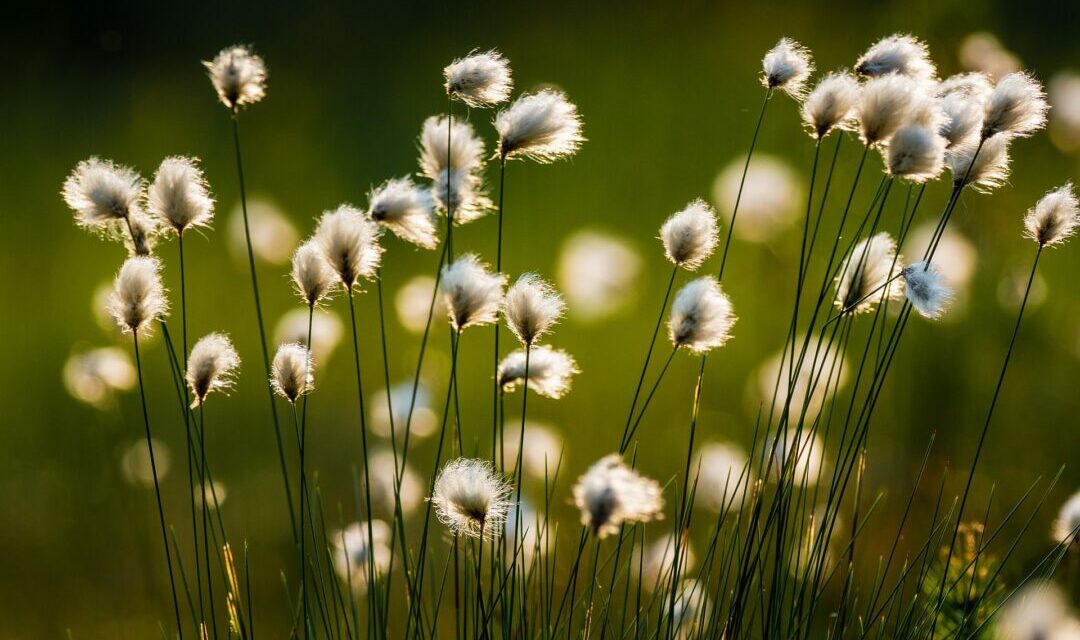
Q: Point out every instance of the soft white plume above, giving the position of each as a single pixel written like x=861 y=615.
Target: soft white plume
x=542 y=126
x=982 y=168
x=701 y=316
x=101 y=193
x=690 y=235
x=550 y=371
x=455 y=173
x=311 y=275
x=915 y=153
x=611 y=493
x=1054 y=217
x=532 y=307
x=723 y=474
x=179 y=196
x=479 y=79
x=886 y=104
x=293 y=372
x=926 y=289
x=1016 y=107
x=211 y=366
x=870 y=273
x=238 y=75
x=786 y=67
x=138 y=298
x=900 y=54
x=472 y=293
x=471 y=498
x=830 y=105
x=963 y=118
x=350 y=244
x=405 y=209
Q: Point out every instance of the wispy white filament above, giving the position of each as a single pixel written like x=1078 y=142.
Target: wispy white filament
x=690 y=235
x=1016 y=107
x=532 y=307
x=405 y=209
x=830 y=105
x=870 y=273
x=900 y=54
x=786 y=67
x=472 y=293
x=926 y=289
x=471 y=498
x=983 y=169
x=886 y=104
x=1054 y=217
x=311 y=275
x=179 y=196
x=238 y=75
x=101 y=193
x=293 y=372
x=479 y=79
x=701 y=316
x=138 y=298
x=211 y=366
x=611 y=493
x=542 y=126
x=350 y=244
x=915 y=153
x=550 y=371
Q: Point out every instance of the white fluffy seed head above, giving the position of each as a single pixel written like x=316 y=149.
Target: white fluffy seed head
x=212 y=366
x=138 y=298
x=405 y=209
x=983 y=169
x=915 y=153
x=532 y=307
x=973 y=83
x=786 y=67
x=611 y=493
x=238 y=75
x=293 y=372
x=542 y=126
x=869 y=275
x=471 y=292
x=690 y=235
x=1016 y=107
x=963 y=117
x=461 y=194
x=899 y=54
x=311 y=275
x=551 y=371
x=1054 y=217
x=479 y=79
x=830 y=105
x=887 y=103
x=350 y=244
x=179 y=197
x=102 y=194
x=471 y=498
x=926 y=289
x=701 y=316
x=1067 y=525
x=466 y=151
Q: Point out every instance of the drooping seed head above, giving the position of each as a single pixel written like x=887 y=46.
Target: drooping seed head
x=179 y=197
x=405 y=209
x=1016 y=107
x=293 y=372
x=461 y=194
x=212 y=366
x=915 y=153
x=886 y=104
x=311 y=275
x=238 y=75
x=690 y=235
x=983 y=169
x=479 y=80
x=701 y=316
x=551 y=371
x=472 y=293
x=542 y=126
x=926 y=289
x=102 y=193
x=786 y=67
x=350 y=244
x=138 y=298
x=899 y=54
x=1054 y=217
x=870 y=273
x=611 y=493
x=471 y=498
x=532 y=307
x=831 y=103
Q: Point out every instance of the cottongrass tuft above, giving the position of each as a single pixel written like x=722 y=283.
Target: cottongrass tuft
x=869 y=274
x=102 y=193
x=611 y=493
x=1054 y=217
x=1038 y=612
x=479 y=79
x=471 y=498
x=542 y=126
x=1016 y=107
x=293 y=372
x=926 y=289
x=211 y=366
x=982 y=169
x=138 y=297
x=887 y=103
x=690 y=235
x=1066 y=526
x=915 y=153
x=238 y=75
x=350 y=244
x=93 y=376
x=311 y=275
x=454 y=172
x=551 y=371
x=701 y=316
x=471 y=292
x=179 y=197
x=140 y=234
x=963 y=118
x=405 y=209
x=353 y=557
x=532 y=307
x=829 y=106
x=899 y=54
x=786 y=67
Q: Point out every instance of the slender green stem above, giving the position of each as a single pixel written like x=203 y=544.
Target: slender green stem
x=648 y=400
x=649 y=352
x=742 y=183
x=496 y=427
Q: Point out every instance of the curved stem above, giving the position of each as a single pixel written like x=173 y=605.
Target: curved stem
x=649 y=351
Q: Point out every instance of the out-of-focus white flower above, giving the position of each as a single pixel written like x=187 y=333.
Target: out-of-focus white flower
x=542 y=452
x=770 y=197
x=611 y=493
x=658 y=561
x=1010 y=291
x=868 y=275
x=424 y=421
x=355 y=552
x=382 y=469
x=534 y=543
x=273 y=236
x=981 y=51
x=135 y=463
x=1067 y=525
x=93 y=376
x=823 y=372
x=213 y=494
x=691 y=609
x=326 y=329
x=1064 y=95
x=413 y=300
x=722 y=476
x=597 y=271
x=800 y=454
x=1038 y=612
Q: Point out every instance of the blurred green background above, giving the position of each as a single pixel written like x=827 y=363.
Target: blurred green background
x=669 y=94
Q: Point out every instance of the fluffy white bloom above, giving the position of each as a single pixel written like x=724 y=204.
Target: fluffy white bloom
x=238 y=75
x=355 y=552
x=179 y=196
x=550 y=371
x=598 y=272
x=542 y=451
x=1038 y=612
x=140 y=234
x=542 y=126
x=1016 y=107
x=887 y=103
x=926 y=289
x=611 y=493
x=771 y=196
x=293 y=372
x=823 y=372
x=479 y=79
x=135 y=464
x=311 y=275
x=405 y=209
x=658 y=561
x=413 y=300
x=829 y=106
x=786 y=67
x=983 y=169
x=326 y=330
x=466 y=151
x=532 y=307
x=800 y=454
x=1067 y=524
x=381 y=474
x=868 y=275
x=273 y=236
x=722 y=476
x=462 y=194
x=92 y=376
x=471 y=498
x=102 y=193
x=472 y=293
x=690 y=235
x=1054 y=217
x=900 y=54
x=138 y=298
x=396 y=408
x=955 y=258
x=211 y=366
x=963 y=118
x=701 y=316
x=350 y=244
x=974 y=84
x=915 y=153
